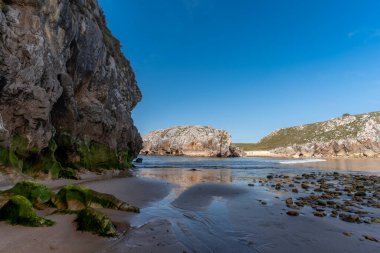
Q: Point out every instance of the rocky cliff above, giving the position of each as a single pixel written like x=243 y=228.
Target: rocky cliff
x=190 y=141
x=66 y=90
x=349 y=135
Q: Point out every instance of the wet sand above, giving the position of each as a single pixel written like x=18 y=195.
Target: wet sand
x=63 y=236
x=210 y=209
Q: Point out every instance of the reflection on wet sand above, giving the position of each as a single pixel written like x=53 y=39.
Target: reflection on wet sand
x=187 y=178
x=346 y=164
x=236 y=208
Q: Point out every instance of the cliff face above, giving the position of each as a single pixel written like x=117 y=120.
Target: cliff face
x=190 y=141
x=349 y=135
x=66 y=90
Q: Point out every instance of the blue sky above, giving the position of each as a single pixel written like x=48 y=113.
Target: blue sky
x=249 y=66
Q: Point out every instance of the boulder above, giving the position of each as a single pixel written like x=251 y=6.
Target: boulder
x=75 y=197
x=19 y=210
x=38 y=194
x=91 y=220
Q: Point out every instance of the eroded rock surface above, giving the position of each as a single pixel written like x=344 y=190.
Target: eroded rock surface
x=349 y=135
x=64 y=81
x=190 y=141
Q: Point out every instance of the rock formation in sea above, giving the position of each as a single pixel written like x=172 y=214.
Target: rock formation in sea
x=190 y=141
x=66 y=89
x=346 y=136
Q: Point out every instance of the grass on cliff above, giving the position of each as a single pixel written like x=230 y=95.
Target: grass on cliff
x=316 y=132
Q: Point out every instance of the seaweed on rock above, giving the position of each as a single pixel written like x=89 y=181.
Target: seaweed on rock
x=75 y=197
x=38 y=194
x=19 y=210
x=91 y=220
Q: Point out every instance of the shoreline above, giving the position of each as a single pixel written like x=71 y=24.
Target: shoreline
x=269 y=154
x=184 y=209
x=64 y=237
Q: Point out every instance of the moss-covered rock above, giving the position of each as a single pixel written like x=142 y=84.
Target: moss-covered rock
x=90 y=154
x=29 y=159
x=75 y=197
x=38 y=194
x=69 y=173
x=19 y=210
x=91 y=220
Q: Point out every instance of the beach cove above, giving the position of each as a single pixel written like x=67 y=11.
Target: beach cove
x=191 y=204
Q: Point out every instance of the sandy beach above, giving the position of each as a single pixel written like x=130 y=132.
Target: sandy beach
x=215 y=208
x=63 y=237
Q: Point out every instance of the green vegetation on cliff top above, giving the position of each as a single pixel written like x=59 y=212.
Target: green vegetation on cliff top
x=345 y=127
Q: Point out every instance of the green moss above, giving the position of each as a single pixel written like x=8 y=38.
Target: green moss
x=38 y=194
x=19 y=210
x=91 y=155
x=90 y=220
x=75 y=197
x=96 y=155
x=30 y=159
x=69 y=173
x=63 y=157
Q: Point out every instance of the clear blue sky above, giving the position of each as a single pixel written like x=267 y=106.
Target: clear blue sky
x=249 y=66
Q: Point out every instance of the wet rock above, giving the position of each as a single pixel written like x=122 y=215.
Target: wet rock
x=139 y=160
x=38 y=194
x=289 y=201
x=360 y=194
x=293 y=213
x=349 y=234
x=295 y=190
x=350 y=218
x=91 y=220
x=319 y=214
x=251 y=184
x=75 y=197
x=19 y=210
x=371 y=238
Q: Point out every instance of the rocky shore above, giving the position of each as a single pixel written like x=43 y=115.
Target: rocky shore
x=190 y=141
x=346 y=136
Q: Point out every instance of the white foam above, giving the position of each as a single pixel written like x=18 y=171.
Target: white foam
x=302 y=161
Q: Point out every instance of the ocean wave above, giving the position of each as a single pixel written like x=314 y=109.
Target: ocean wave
x=302 y=161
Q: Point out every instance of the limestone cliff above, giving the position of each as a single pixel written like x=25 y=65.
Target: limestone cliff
x=349 y=135
x=66 y=90
x=190 y=141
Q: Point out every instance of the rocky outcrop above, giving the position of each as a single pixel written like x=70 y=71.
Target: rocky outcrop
x=189 y=141
x=66 y=90
x=349 y=135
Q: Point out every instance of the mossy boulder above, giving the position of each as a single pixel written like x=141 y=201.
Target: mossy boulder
x=19 y=210
x=38 y=194
x=75 y=197
x=91 y=220
x=69 y=173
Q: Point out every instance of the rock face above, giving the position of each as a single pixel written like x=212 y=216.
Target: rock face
x=349 y=135
x=189 y=141
x=66 y=90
